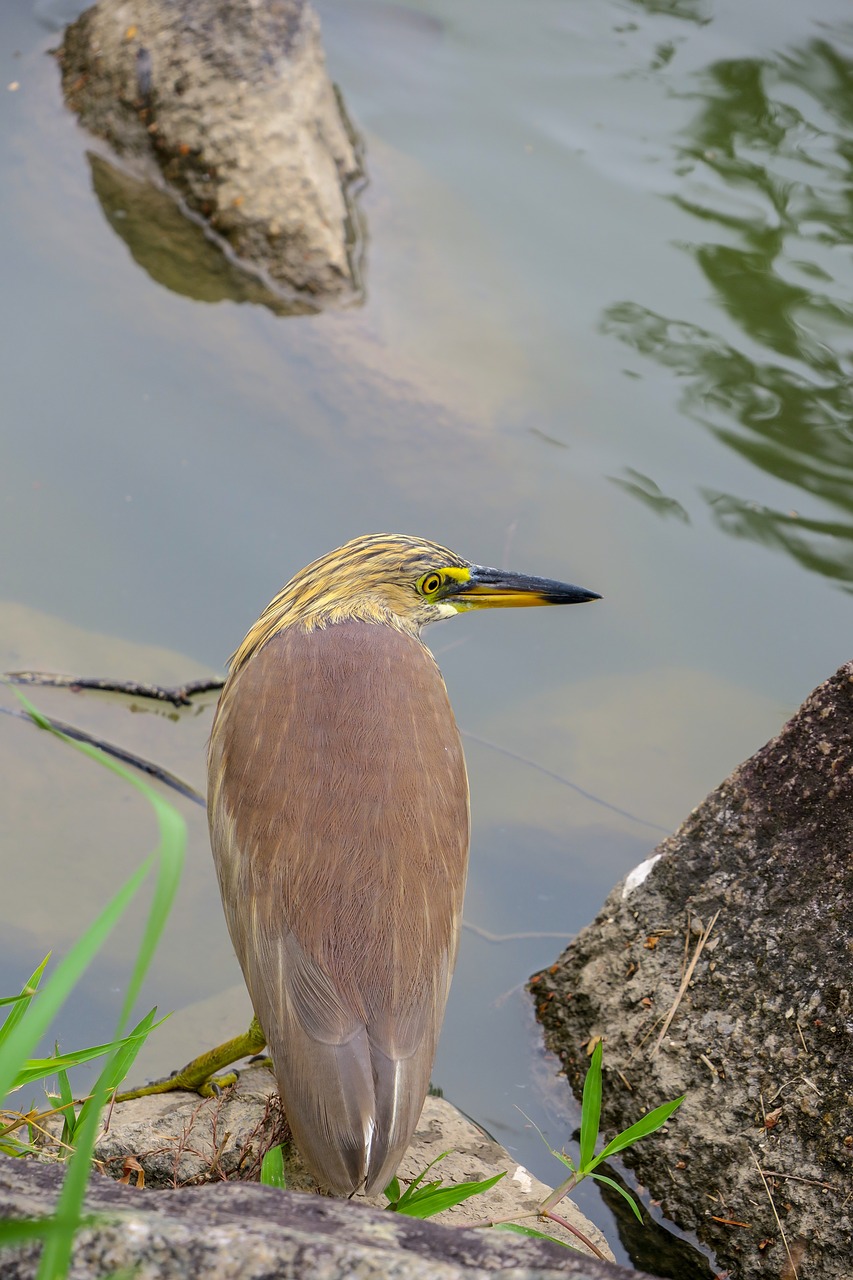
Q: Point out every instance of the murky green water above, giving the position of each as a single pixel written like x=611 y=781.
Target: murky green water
x=606 y=337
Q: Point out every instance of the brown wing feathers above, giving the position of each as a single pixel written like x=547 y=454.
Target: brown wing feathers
x=339 y=816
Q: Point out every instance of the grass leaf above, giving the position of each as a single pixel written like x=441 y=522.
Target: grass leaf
x=32 y=1028
x=590 y=1110
x=119 y=1062
x=272 y=1168
x=41 y=1068
x=648 y=1124
x=426 y=1202
x=20 y=1042
x=531 y=1231
x=20 y=1230
x=69 y=1115
x=626 y=1195
x=413 y=1186
x=22 y=1003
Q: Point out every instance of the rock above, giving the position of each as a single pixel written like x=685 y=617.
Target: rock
x=239 y=1230
x=242 y=1231
x=230 y=106
x=179 y=1140
x=761 y=1042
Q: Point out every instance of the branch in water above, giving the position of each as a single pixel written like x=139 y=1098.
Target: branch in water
x=127 y=757
x=180 y=695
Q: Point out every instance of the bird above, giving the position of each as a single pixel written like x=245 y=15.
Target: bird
x=339 y=824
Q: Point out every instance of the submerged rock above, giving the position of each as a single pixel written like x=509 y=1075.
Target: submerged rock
x=756 y=887
x=229 y=106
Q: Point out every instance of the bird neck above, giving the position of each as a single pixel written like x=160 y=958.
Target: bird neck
x=282 y=613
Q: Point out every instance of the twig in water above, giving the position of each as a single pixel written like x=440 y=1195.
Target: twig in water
x=119 y=753
x=512 y=937
x=566 y=782
x=178 y=695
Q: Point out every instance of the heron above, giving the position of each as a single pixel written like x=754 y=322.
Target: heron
x=339 y=823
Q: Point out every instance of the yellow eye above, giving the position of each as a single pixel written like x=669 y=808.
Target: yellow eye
x=430 y=583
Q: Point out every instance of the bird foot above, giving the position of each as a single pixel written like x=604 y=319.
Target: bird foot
x=204 y=1075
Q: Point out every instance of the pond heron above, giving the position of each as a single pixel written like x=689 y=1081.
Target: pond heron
x=338 y=807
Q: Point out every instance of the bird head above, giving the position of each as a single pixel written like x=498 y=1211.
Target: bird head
x=401 y=581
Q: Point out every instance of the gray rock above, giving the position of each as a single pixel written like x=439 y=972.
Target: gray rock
x=235 y=1230
x=230 y=106
x=761 y=1041
x=179 y=1140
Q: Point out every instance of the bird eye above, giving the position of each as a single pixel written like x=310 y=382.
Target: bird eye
x=429 y=584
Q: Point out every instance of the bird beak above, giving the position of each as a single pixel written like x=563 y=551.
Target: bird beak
x=495 y=589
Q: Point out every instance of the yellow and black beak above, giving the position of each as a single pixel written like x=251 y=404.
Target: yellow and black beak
x=496 y=589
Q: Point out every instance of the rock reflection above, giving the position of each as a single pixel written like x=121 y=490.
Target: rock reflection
x=177 y=251
x=769 y=163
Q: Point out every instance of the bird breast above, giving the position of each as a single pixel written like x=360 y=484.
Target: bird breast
x=339 y=811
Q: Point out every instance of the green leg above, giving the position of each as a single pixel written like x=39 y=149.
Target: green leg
x=198 y=1076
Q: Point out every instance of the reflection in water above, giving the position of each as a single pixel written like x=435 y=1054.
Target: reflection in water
x=652 y=1246
x=698 y=11
x=177 y=250
x=644 y=488
x=768 y=171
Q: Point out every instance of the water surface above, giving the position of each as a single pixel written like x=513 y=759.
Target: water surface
x=606 y=337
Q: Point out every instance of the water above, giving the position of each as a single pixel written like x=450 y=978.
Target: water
x=606 y=337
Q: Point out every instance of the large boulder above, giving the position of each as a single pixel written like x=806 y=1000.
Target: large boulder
x=230 y=106
x=723 y=969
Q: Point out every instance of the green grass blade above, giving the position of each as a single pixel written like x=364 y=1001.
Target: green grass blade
x=56 y=1254
x=590 y=1110
x=120 y=1061
x=626 y=1195
x=170 y=856
x=412 y=1188
x=531 y=1231
x=22 y=1002
x=20 y=1044
x=169 y=853
x=428 y=1203
x=648 y=1124
x=20 y=1230
x=69 y=1115
x=42 y=1068
x=558 y=1155
x=272 y=1168
x=55 y=1257
x=392 y=1191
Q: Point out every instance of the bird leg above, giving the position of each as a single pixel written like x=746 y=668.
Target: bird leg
x=199 y=1076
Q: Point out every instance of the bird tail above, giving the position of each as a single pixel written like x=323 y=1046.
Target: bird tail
x=354 y=1110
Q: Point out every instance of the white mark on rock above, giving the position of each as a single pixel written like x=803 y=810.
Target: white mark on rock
x=636 y=877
